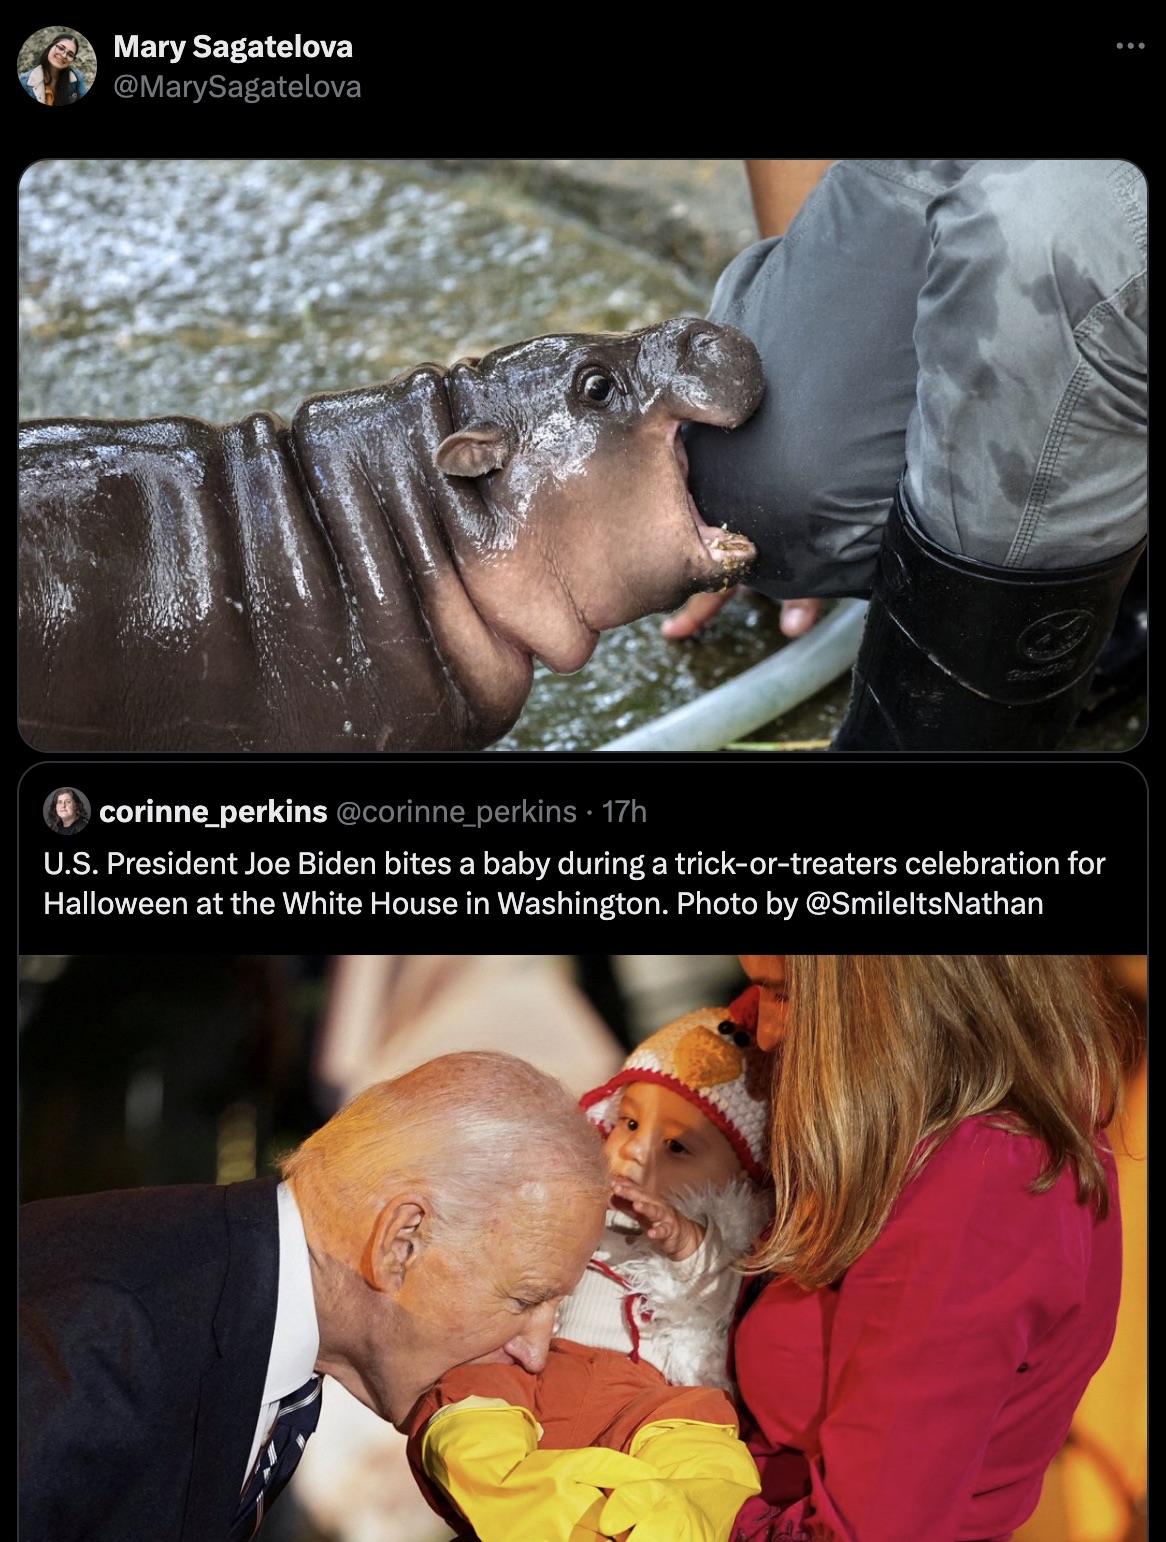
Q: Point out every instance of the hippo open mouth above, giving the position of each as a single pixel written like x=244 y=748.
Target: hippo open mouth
x=731 y=552
x=591 y=520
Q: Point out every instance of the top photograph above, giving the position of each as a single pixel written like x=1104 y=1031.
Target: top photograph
x=564 y=456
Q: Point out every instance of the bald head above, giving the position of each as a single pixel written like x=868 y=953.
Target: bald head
x=447 y=1212
x=465 y=1129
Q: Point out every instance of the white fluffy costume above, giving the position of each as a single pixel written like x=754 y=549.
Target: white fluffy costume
x=676 y=1316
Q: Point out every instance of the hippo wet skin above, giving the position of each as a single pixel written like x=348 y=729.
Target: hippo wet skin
x=380 y=575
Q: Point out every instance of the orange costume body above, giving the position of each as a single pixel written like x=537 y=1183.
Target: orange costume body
x=584 y=1397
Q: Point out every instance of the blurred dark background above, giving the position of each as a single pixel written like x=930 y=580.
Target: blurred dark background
x=172 y=1068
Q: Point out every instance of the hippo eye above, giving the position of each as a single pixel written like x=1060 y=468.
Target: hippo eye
x=595 y=387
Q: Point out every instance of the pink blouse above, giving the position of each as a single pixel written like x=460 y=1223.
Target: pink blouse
x=923 y=1397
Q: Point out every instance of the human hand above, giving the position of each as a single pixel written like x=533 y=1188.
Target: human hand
x=695 y=614
x=674 y=1234
x=797 y=616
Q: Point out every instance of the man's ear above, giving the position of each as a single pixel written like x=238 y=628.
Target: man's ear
x=395 y=1242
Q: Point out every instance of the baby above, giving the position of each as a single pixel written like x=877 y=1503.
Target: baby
x=629 y=1431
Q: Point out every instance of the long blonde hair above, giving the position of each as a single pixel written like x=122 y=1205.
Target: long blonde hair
x=885 y=1054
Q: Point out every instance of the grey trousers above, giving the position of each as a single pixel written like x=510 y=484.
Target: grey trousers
x=980 y=323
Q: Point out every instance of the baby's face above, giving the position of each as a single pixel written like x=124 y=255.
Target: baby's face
x=664 y=1144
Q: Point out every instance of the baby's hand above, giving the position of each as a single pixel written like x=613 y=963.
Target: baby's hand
x=674 y=1234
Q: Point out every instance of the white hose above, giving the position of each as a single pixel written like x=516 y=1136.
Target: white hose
x=762 y=693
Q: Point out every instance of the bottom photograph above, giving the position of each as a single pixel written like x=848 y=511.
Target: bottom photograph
x=562 y=1247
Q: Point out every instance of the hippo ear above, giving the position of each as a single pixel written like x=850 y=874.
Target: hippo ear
x=473 y=451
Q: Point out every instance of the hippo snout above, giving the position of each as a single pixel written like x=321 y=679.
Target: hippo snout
x=713 y=371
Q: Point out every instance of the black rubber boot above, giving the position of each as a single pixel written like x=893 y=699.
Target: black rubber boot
x=960 y=655
x=1120 y=676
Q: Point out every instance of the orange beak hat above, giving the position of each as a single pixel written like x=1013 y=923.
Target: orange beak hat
x=712 y=1059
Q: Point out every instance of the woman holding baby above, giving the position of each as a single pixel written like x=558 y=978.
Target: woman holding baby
x=906 y=1340
x=941 y=1278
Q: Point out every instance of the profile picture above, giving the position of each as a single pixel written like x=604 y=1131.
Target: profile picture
x=66 y=811
x=56 y=66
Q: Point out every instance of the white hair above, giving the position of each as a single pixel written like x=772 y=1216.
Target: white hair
x=467 y=1130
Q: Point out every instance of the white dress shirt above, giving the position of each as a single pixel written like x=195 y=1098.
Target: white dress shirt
x=295 y=1343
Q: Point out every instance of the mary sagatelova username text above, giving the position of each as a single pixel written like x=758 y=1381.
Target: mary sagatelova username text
x=218 y=88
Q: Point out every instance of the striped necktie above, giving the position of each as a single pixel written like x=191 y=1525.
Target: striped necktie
x=277 y=1458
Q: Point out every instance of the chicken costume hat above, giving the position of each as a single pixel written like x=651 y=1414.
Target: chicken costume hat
x=711 y=1058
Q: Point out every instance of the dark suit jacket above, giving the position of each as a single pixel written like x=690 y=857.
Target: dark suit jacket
x=146 y=1319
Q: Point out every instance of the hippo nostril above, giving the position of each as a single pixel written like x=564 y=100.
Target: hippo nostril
x=704 y=350
x=696 y=339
